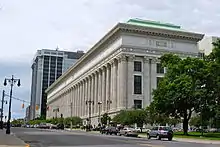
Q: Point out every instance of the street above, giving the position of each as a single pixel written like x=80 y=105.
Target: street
x=45 y=138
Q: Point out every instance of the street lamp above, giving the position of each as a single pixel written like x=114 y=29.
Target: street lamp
x=108 y=107
x=11 y=81
x=89 y=102
x=99 y=104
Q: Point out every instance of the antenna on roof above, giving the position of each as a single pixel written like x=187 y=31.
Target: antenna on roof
x=57 y=48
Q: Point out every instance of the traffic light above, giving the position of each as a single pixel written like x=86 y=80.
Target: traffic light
x=47 y=108
x=22 y=106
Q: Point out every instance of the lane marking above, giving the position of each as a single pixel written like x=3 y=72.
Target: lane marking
x=151 y=145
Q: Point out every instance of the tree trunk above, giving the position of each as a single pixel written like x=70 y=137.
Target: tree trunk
x=185 y=124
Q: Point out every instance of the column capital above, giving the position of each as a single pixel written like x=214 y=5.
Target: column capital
x=146 y=59
x=131 y=58
x=154 y=60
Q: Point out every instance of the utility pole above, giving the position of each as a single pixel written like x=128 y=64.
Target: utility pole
x=2 y=109
x=11 y=81
x=89 y=103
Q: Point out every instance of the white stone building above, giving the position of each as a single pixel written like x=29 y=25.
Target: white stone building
x=120 y=70
x=205 y=45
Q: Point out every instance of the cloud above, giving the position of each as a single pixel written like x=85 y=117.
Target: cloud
x=30 y=25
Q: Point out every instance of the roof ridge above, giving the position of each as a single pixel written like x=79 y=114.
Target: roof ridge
x=150 y=22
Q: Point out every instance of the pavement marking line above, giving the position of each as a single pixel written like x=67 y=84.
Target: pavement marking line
x=151 y=145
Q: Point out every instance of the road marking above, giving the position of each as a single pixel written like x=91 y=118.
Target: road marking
x=151 y=145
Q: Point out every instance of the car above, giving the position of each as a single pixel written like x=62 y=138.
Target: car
x=160 y=132
x=128 y=132
x=109 y=130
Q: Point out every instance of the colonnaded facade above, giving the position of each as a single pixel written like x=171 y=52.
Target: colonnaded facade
x=120 y=71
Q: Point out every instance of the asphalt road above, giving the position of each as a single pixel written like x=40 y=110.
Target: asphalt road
x=46 y=138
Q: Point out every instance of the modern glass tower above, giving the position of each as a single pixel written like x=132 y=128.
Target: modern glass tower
x=48 y=65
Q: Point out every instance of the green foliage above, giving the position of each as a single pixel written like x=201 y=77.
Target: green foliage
x=155 y=117
x=129 y=117
x=181 y=91
x=75 y=121
x=198 y=121
x=105 y=118
x=17 y=122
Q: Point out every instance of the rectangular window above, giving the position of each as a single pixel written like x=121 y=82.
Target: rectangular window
x=160 y=69
x=158 y=80
x=137 y=66
x=137 y=84
x=137 y=104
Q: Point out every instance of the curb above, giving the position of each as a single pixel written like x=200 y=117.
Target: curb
x=197 y=141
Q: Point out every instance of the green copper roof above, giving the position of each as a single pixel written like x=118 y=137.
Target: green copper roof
x=154 y=24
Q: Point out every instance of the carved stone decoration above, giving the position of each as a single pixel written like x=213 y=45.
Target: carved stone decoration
x=131 y=58
x=153 y=60
x=146 y=59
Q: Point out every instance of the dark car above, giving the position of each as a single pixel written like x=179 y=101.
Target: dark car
x=109 y=130
x=161 y=132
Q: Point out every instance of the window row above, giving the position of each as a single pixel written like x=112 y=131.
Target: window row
x=138 y=67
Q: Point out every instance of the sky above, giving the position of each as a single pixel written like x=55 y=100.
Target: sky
x=28 y=25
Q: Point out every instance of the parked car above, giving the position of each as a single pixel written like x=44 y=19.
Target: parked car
x=109 y=130
x=128 y=132
x=161 y=132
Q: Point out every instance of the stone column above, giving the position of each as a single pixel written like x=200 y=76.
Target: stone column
x=81 y=99
x=116 y=84
x=92 y=93
x=107 y=86
x=75 y=99
x=77 y=96
x=119 y=89
x=72 y=97
x=96 y=92
x=153 y=77
x=86 y=97
x=123 y=82
x=130 y=80
x=111 y=88
x=146 y=81
x=99 y=87
x=78 y=106
x=103 y=89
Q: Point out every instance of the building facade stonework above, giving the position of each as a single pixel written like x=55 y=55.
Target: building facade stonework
x=120 y=71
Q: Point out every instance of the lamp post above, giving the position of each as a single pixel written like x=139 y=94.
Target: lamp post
x=11 y=81
x=89 y=103
x=99 y=104
x=108 y=107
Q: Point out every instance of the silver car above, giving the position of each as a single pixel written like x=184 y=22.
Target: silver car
x=161 y=132
x=128 y=132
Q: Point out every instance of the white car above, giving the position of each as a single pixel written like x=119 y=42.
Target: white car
x=128 y=132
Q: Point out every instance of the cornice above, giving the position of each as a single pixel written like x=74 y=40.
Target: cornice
x=160 y=32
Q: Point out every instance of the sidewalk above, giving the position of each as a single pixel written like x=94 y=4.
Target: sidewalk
x=189 y=140
x=11 y=140
x=197 y=141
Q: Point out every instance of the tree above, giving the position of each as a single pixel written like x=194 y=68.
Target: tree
x=105 y=119
x=181 y=91
x=129 y=117
x=75 y=121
